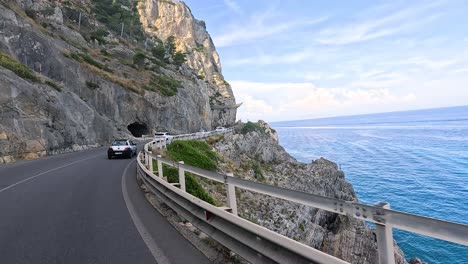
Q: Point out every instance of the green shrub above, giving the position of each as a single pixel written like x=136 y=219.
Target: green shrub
x=214 y=139
x=194 y=153
x=258 y=174
x=31 y=13
x=250 y=127
x=88 y=59
x=105 y=53
x=53 y=85
x=139 y=59
x=199 y=48
x=179 y=58
x=163 y=84
x=19 y=69
x=192 y=186
x=159 y=51
x=170 y=46
x=302 y=227
x=113 y=13
x=92 y=85
x=99 y=35
x=171 y=173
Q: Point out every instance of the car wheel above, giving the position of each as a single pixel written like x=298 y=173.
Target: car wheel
x=109 y=156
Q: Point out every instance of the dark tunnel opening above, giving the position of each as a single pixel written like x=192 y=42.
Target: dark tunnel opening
x=138 y=129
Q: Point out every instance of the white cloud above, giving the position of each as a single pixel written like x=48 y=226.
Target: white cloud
x=429 y=63
x=263 y=59
x=403 y=20
x=281 y=101
x=461 y=70
x=233 y=5
x=259 y=26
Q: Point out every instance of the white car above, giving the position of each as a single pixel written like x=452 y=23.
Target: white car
x=122 y=148
x=163 y=136
x=220 y=129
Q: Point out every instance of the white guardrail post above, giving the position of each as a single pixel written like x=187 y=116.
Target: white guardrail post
x=385 y=240
x=231 y=194
x=182 y=177
x=150 y=162
x=146 y=159
x=160 y=167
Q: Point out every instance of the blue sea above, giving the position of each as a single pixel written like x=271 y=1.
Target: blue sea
x=415 y=160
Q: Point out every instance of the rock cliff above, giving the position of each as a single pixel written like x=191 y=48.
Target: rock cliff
x=76 y=74
x=254 y=153
x=173 y=19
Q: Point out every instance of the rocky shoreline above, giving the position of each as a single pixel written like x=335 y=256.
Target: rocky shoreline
x=255 y=154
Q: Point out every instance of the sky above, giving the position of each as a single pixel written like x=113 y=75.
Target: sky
x=301 y=59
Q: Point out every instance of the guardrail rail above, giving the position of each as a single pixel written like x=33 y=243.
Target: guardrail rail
x=260 y=245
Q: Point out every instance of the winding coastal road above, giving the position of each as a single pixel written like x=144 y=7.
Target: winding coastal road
x=83 y=208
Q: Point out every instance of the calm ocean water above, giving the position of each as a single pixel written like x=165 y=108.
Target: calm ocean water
x=415 y=160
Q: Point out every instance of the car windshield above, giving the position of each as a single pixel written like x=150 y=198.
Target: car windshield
x=160 y=134
x=119 y=143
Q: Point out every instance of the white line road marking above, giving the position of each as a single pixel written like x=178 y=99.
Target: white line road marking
x=158 y=254
x=45 y=172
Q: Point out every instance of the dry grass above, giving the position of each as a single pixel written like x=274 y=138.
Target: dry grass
x=126 y=83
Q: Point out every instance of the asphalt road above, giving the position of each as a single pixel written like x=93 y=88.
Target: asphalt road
x=83 y=208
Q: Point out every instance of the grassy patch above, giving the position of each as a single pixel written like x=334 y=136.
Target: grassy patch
x=195 y=153
x=192 y=186
x=251 y=127
x=87 y=59
x=125 y=83
x=163 y=84
x=19 y=69
x=53 y=85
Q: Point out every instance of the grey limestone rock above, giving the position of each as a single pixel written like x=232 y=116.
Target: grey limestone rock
x=250 y=154
x=89 y=106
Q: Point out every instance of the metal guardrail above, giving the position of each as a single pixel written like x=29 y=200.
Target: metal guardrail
x=258 y=244
x=161 y=143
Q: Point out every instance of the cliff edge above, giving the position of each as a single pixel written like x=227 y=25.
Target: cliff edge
x=253 y=153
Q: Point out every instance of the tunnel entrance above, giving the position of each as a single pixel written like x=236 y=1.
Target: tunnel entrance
x=138 y=129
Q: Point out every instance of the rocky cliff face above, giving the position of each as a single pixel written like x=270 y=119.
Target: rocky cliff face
x=165 y=19
x=68 y=81
x=253 y=153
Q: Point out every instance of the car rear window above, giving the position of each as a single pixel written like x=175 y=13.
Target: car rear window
x=119 y=143
x=160 y=134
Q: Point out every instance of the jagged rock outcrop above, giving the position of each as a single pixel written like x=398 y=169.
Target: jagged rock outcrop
x=256 y=155
x=165 y=19
x=89 y=88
